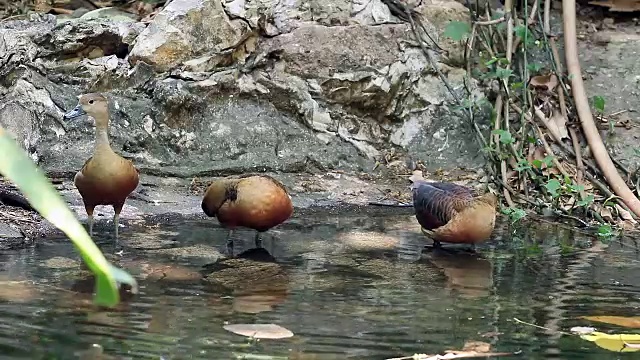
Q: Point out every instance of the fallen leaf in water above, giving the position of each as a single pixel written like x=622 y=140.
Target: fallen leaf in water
x=614 y=342
x=630 y=322
x=259 y=331
x=544 y=82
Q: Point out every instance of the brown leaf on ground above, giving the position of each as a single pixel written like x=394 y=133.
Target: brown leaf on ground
x=557 y=124
x=544 y=82
x=625 y=215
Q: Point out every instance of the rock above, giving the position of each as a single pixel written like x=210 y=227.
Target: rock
x=439 y=13
x=7 y=231
x=315 y=86
x=178 y=33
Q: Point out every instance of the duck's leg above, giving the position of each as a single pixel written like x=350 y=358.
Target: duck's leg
x=258 y=240
x=89 y=210
x=117 y=208
x=230 y=243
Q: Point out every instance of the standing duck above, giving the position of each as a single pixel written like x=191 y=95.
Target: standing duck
x=254 y=201
x=451 y=213
x=106 y=178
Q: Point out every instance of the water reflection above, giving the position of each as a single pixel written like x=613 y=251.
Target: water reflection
x=348 y=286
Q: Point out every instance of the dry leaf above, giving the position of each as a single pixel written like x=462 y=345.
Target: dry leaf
x=558 y=125
x=606 y=214
x=544 y=82
x=259 y=331
x=477 y=346
x=630 y=322
x=625 y=215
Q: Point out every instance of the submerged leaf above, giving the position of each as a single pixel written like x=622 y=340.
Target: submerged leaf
x=613 y=342
x=259 y=331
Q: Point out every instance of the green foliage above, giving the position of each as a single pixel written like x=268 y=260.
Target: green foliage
x=534 y=68
x=553 y=186
x=505 y=136
x=17 y=167
x=548 y=161
x=598 y=104
x=457 y=30
x=605 y=231
x=514 y=214
x=587 y=201
x=525 y=34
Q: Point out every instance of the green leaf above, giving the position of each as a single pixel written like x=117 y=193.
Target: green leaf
x=553 y=186
x=457 y=30
x=17 y=167
x=517 y=85
x=505 y=136
x=598 y=103
x=588 y=200
x=534 y=67
x=524 y=33
x=605 y=231
x=548 y=160
x=523 y=165
x=503 y=73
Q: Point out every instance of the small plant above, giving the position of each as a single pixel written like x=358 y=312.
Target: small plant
x=515 y=214
x=598 y=104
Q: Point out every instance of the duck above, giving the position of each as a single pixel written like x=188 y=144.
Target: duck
x=453 y=213
x=254 y=201
x=106 y=178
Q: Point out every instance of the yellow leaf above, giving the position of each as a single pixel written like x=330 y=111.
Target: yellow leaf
x=630 y=322
x=613 y=342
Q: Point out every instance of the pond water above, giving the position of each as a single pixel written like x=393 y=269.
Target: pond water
x=353 y=285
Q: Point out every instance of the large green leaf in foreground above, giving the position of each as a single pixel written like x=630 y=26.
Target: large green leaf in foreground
x=17 y=167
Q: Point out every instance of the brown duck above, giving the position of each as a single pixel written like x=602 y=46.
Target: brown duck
x=452 y=213
x=106 y=178
x=254 y=201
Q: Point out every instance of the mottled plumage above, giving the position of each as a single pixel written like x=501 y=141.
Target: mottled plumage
x=254 y=201
x=452 y=213
x=106 y=178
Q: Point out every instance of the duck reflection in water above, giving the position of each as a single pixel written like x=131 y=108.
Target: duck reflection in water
x=467 y=273
x=256 y=280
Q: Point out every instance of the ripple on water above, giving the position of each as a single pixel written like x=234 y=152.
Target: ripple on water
x=347 y=286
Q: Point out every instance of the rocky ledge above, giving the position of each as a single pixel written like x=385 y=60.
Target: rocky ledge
x=335 y=97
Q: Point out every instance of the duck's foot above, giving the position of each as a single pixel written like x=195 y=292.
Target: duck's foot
x=116 y=224
x=90 y=223
x=229 y=244
x=258 y=240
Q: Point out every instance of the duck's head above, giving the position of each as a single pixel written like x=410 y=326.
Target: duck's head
x=94 y=105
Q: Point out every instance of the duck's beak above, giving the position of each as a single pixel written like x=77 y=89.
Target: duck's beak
x=76 y=112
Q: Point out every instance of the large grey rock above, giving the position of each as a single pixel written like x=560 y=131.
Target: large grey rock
x=292 y=86
x=186 y=29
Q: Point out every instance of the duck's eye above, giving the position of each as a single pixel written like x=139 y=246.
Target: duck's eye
x=90 y=101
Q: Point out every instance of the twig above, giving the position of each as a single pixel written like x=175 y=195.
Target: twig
x=538 y=326
x=598 y=149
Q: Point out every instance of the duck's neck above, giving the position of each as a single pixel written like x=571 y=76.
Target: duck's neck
x=102 y=137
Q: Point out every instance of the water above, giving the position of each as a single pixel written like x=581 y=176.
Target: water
x=348 y=286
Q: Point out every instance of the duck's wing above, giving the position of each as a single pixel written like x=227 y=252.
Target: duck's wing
x=435 y=207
